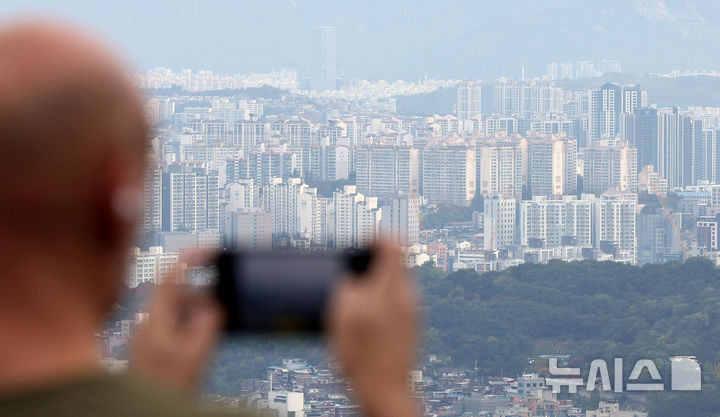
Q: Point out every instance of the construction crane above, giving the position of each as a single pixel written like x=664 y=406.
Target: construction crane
x=501 y=208
x=668 y=214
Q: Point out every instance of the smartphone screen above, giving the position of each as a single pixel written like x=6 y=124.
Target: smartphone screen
x=278 y=291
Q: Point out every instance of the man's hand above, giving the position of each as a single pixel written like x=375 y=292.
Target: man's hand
x=373 y=330
x=173 y=347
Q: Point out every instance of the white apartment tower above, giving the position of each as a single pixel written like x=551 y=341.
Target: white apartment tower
x=356 y=219
x=565 y=221
x=449 y=175
x=249 y=229
x=610 y=166
x=152 y=199
x=190 y=198
x=401 y=220
x=385 y=170
x=499 y=222
x=614 y=223
x=552 y=166
x=469 y=103
x=500 y=167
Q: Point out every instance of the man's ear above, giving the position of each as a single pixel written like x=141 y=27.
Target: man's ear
x=120 y=197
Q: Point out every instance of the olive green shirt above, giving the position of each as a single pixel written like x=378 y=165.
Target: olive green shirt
x=105 y=396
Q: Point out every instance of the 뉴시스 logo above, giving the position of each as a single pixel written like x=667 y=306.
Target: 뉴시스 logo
x=685 y=375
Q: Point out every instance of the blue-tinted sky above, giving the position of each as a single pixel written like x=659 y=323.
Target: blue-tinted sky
x=402 y=39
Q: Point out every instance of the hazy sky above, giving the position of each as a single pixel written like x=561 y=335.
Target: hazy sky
x=402 y=39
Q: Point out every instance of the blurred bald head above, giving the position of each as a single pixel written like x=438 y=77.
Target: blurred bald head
x=71 y=132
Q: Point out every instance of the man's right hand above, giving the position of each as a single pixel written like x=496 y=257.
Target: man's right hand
x=373 y=330
x=173 y=347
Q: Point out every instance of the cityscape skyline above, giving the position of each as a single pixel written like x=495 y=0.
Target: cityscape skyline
x=547 y=172
x=523 y=180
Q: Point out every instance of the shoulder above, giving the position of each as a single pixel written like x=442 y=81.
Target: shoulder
x=105 y=395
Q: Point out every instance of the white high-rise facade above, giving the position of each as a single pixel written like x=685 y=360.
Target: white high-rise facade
x=249 y=229
x=552 y=166
x=610 y=166
x=449 y=175
x=248 y=134
x=296 y=210
x=401 y=220
x=152 y=199
x=500 y=167
x=469 y=100
x=614 y=223
x=190 y=198
x=356 y=219
x=499 y=222
x=557 y=222
x=384 y=170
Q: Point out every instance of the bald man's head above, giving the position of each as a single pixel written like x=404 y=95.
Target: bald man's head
x=66 y=109
x=72 y=141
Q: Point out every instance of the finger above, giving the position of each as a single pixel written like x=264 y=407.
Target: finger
x=188 y=258
x=203 y=327
x=388 y=267
x=164 y=300
x=197 y=257
x=387 y=256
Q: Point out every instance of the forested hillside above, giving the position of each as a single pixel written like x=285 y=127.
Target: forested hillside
x=588 y=310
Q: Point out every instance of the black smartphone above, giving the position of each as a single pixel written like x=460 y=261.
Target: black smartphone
x=282 y=292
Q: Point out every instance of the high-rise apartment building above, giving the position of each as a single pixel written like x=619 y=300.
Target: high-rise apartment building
x=550 y=99
x=296 y=209
x=469 y=102
x=401 y=220
x=356 y=220
x=658 y=237
x=698 y=155
x=525 y=100
x=326 y=59
x=152 y=199
x=249 y=229
x=263 y=166
x=614 y=223
x=499 y=167
x=606 y=106
x=499 y=222
x=281 y=201
x=552 y=166
x=247 y=135
x=241 y=194
x=707 y=232
x=497 y=125
x=190 y=198
x=385 y=170
x=298 y=131
x=609 y=166
x=611 y=97
x=507 y=99
x=649 y=181
x=448 y=174
x=328 y=163
x=645 y=136
x=565 y=221
x=671 y=147
x=707 y=156
x=633 y=98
